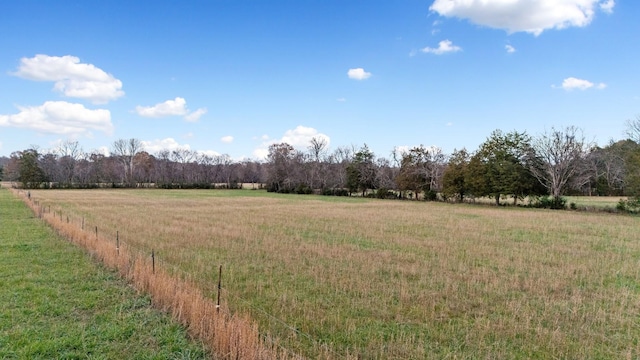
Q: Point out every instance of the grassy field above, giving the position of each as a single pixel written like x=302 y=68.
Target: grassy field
x=55 y=303
x=392 y=279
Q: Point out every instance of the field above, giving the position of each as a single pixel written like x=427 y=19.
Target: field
x=333 y=277
x=56 y=303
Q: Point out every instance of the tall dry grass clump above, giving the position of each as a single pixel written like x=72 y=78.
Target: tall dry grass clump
x=226 y=335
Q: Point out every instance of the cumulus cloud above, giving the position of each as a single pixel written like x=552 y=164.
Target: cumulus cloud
x=607 y=6
x=60 y=117
x=299 y=138
x=72 y=78
x=195 y=115
x=510 y=49
x=523 y=15
x=444 y=46
x=170 y=144
x=572 y=83
x=358 y=74
x=227 y=139
x=175 y=107
x=155 y=146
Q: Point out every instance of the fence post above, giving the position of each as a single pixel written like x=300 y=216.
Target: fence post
x=153 y=262
x=96 y=232
x=117 y=242
x=219 y=287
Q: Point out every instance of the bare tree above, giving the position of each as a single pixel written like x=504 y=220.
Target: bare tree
x=558 y=158
x=125 y=151
x=69 y=153
x=633 y=129
x=317 y=149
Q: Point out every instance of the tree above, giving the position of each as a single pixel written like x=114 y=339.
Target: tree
x=420 y=170
x=279 y=171
x=633 y=129
x=125 y=151
x=557 y=157
x=69 y=152
x=30 y=173
x=500 y=167
x=317 y=148
x=608 y=167
x=455 y=178
x=361 y=173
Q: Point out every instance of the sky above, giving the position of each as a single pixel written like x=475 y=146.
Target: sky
x=234 y=76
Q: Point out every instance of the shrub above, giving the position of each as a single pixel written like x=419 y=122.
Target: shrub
x=430 y=195
x=631 y=206
x=549 y=202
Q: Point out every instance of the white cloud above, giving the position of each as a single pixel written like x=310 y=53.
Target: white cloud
x=211 y=153
x=444 y=46
x=177 y=106
x=358 y=74
x=510 y=49
x=607 y=6
x=299 y=138
x=341 y=99
x=195 y=115
x=155 y=146
x=523 y=15
x=404 y=149
x=572 y=83
x=227 y=139
x=72 y=78
x=60 y=117
x=104 y=150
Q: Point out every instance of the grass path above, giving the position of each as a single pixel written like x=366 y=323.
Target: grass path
x=56 y=303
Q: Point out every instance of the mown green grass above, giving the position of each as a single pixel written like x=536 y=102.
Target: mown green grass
x=56 y=304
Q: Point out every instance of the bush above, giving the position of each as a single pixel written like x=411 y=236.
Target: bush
x=303 y=189
x=335 y=192
x=549 y=202
x=430 y=195
x=631 y=206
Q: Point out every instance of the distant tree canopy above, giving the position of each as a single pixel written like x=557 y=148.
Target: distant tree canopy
x=30 y=173
x=456 y=180
x=361 y=172
x=506 y=165
x=502 y=167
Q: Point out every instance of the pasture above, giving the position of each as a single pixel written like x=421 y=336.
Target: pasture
x=337 y=277
x=56 y=304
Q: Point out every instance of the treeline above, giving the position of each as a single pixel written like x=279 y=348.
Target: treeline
x=127 y=166
x=510 y=166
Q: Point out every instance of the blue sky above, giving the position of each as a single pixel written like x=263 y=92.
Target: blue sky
x=232 y=77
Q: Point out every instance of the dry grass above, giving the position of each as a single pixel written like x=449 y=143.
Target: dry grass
x=228 y=336
x=332 y=277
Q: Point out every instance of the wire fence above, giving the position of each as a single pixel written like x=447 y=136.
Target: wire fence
x=215 y=290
